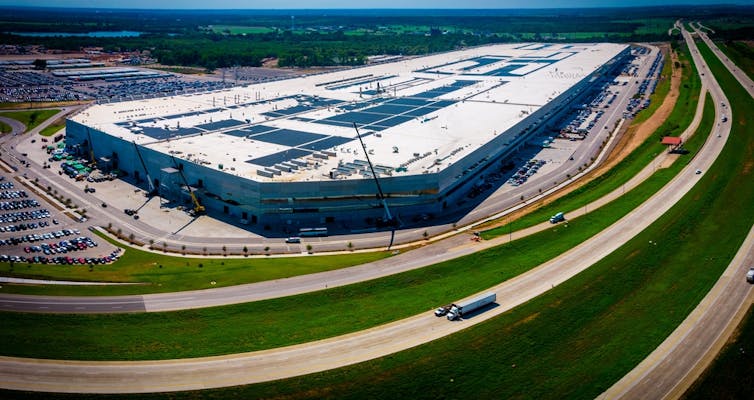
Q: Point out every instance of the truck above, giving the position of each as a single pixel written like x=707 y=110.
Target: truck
x=557 y=218
x=458 y=310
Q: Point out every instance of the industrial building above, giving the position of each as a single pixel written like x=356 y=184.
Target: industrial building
x=286 y=153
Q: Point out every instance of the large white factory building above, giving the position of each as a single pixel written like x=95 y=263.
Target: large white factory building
x=286 y=152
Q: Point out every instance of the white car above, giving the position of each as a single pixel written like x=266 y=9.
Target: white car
x=750 y=275
x=441 y=311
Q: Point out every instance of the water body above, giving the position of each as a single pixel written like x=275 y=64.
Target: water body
x=96 y=34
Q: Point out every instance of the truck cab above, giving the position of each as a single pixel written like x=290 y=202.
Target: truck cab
x=557 y=218
x=453 y=313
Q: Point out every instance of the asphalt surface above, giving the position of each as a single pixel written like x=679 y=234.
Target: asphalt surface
x=236 y=369
x=674 y=366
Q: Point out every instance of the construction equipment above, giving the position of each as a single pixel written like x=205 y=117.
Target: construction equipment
x=388 y=217
x=152 y=189
x=198 y=208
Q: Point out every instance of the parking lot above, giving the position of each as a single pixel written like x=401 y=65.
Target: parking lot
x=34 y=231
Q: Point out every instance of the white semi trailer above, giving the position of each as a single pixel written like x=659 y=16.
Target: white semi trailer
x=457 y=310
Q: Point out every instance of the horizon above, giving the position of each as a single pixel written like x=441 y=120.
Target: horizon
x=287 y=5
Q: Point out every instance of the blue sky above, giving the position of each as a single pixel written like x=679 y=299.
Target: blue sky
x=324 y=4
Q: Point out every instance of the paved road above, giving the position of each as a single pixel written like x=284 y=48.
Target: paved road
x=674 y=366
x=236 y=369
x=16 y=126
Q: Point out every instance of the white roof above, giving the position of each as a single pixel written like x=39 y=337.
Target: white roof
x=495 y=88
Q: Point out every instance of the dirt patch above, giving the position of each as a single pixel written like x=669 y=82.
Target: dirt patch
x=668 y=161
x=270 y=63
x=748 y=166
x=628 y=140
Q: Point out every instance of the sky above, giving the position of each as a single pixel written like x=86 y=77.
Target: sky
x=368 y=4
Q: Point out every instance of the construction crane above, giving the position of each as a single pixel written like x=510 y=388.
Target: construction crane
x=198 y=208
x=389 y=217
x=152 y=189
x=91 y=147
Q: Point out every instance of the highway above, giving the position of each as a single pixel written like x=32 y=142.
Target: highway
x=236 y=369
x=674 y=366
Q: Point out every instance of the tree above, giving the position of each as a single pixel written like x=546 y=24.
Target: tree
x=40 y=64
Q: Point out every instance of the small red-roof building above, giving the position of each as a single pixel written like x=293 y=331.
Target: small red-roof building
x=673 y=142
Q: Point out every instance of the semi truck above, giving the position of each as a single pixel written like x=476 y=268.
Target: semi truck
x=557 y=218
x=458 y=310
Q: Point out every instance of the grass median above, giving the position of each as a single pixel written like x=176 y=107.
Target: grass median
x=317 y=315
x=679 y=119
x=5 y=128
x=31 y=118
x=161 y=273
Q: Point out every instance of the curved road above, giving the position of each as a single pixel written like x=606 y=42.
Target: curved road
x=236 y=369
x=674 y=366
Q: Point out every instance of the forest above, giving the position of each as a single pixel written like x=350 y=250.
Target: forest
x=304 y=38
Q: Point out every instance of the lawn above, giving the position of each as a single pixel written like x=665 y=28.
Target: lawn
x=742 y=53
x=5 y=128
x=241 y=30
x=53 y=128
x=31 y=118
x=164 y=273
x=311 y=316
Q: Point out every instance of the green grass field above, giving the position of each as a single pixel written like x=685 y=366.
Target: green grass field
x=311 y=316
x=241 y=30
x=676 y=123
x=164 y=273
x=31 y=119
x=742 y=53
x=5 y=128
x=53 y=128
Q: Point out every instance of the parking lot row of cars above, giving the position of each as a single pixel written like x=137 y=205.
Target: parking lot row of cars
x=13 y=194
x=24 y=227
x=18 y=204
x=20 y=216
x=525 y=172
x=62 y=260
x=62 y=247
x=35 y=237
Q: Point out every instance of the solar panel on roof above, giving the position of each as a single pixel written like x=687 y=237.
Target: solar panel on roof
x=277 y=158
x=330 y=142
x=220 y=124
x=288 y=137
